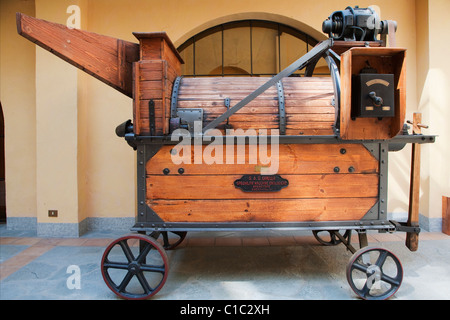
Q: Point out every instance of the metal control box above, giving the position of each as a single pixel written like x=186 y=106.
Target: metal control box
x=373 y=95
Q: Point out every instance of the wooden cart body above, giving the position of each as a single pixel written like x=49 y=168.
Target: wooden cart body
x=332 y=168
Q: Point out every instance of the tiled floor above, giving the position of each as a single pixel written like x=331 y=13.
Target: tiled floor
x=198 y=271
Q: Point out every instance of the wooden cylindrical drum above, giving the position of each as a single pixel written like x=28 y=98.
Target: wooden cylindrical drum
x=295 y=106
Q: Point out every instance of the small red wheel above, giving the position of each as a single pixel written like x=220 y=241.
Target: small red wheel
x=374 y=273
x=135 y=266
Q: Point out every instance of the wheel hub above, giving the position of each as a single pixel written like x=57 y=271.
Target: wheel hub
x=134 y=268
x=373 y=275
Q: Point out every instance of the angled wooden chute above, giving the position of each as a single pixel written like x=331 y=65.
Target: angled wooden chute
x=105 y=58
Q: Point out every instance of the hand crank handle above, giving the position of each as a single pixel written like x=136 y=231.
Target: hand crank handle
x=378 y=101
x=418 y=125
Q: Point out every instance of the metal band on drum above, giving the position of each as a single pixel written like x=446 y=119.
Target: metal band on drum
x=281 y=108
x=174 y=100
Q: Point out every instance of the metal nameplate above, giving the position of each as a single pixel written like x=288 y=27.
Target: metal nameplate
x=261 y=183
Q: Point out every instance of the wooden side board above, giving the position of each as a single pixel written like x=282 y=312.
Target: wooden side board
x=263 y=210
x=105 y=58
x=294 y=159
x=386 y=61
x=316 y=192
x=154 y=75
x=153 y=82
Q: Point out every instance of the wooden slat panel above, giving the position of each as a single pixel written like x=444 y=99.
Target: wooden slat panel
x=310 y=117
x=326 y=125
x=270 y=210
x=300 y=187
x=309 y=132
x=156 y=80
x=145 y=126
x=151 y=70
x=293 y=159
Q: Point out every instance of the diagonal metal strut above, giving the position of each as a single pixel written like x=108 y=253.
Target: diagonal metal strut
x=317 y=51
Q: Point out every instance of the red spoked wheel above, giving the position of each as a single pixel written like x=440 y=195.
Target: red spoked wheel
x=135 y=266
x=374 y=273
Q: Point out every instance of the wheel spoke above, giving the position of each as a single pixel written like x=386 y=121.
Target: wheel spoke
x=392 y=281
x=360 y=267
x=150 y=268
x=365 y=290
x=180 y=233
x=126 y=250
x=381 y=258
x=116 y=265
x=126 y=280
x=143 y=254
x=333 y=238
x=171 y=243
x=165 y=239
x=144 y=283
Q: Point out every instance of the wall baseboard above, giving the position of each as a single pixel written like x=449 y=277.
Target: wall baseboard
x=73 y=230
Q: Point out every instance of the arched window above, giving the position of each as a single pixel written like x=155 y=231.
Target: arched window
x=246 y=48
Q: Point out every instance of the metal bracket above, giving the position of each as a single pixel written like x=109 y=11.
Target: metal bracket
x=188 y=116
x=373 y=148
x=174 y=100
x=281 y=108
x=227 y=105
x=151 y=117
x=403 y=227
x=144 y=153
x=336 y=78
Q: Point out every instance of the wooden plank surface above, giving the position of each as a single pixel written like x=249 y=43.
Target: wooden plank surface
x=105 y=58
x=155 y=83
x=300 y=187
x=262 y=210
x=293 y=159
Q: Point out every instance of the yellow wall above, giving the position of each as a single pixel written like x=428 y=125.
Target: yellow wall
x=434 y=79
x=18 y=97
x=61 y=149
x=56 y=139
